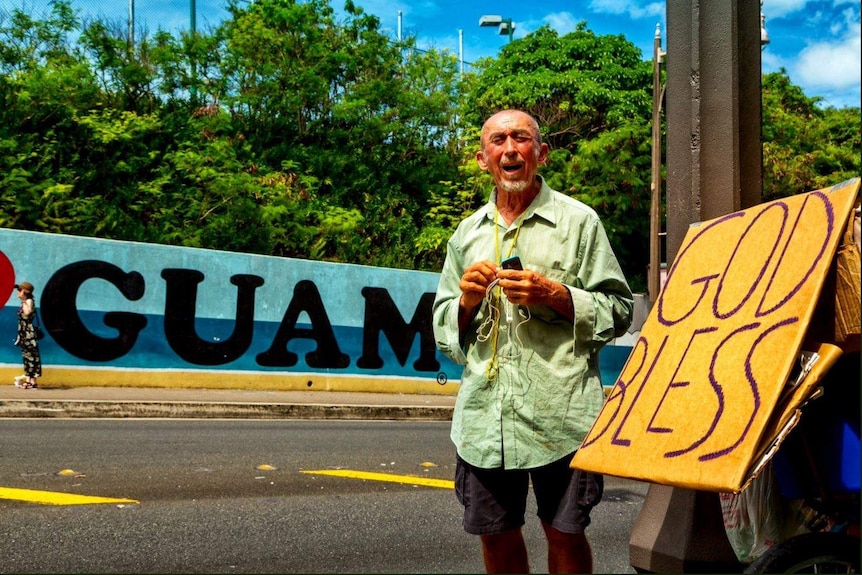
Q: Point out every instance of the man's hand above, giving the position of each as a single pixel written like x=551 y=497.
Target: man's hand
x=525 y=287
x=522 y=287
x=474 y=284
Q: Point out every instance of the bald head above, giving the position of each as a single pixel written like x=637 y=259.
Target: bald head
x=506 y=118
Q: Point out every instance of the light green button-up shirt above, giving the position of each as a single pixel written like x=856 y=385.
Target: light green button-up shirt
x=546 y=392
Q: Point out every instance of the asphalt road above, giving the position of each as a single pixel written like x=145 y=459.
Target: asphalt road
x=234 y=496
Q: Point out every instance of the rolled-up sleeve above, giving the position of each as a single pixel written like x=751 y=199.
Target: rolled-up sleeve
x=603 y=301
x=445 y=309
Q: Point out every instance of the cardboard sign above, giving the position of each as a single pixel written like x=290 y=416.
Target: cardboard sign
x=702 y=382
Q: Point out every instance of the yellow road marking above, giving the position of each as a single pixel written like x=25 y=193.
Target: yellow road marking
x=56 y=498
x=408 y=479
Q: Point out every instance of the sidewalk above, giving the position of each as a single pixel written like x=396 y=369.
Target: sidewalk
x=73 y=402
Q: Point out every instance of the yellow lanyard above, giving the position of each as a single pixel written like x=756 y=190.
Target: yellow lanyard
x=497 y=246
x=492 y=368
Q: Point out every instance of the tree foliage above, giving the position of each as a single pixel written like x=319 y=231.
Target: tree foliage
x=805 y=147
x=292 y=130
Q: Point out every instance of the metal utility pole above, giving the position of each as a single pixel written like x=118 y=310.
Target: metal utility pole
x=654 y=279
x=131 y=34
x=714 y=158
x=509 y=27
x=193 y=16
x=461 y=50
x=193 y=25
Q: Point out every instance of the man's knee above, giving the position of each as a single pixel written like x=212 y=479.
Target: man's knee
x=561 y=540
x=503 y=539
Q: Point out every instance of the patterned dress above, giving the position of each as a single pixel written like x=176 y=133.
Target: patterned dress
x=28 y=343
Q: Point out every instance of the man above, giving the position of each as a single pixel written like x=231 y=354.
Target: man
x=528 y=340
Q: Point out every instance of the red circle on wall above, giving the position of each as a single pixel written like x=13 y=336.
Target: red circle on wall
x=7 y=277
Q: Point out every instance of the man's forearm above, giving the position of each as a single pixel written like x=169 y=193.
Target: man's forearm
x=560 y=300
x=465 y=316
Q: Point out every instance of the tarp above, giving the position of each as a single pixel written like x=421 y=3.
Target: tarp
x=695 y=399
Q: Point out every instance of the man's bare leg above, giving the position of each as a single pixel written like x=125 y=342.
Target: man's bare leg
x=505 y=552
x=567 y=552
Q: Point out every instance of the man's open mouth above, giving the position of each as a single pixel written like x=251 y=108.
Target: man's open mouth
x=511 y=168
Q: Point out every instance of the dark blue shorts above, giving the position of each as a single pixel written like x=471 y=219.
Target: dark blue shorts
x=495 y=500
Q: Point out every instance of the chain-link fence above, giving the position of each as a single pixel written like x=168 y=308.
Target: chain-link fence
x=146 y=16
x=138 y=17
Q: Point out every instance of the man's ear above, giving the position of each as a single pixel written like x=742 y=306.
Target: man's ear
x=543 y=153
x=480 y=159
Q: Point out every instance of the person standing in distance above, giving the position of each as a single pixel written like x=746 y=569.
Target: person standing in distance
x=26 y=339
x=528 y=340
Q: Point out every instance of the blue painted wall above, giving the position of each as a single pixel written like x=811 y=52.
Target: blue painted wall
x=124 y=313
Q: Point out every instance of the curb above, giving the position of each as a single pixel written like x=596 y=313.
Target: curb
x=208 y=410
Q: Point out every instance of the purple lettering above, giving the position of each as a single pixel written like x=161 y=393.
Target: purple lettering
x=618 y=393
x=674 y=383
x=789 y=260
x=760 y=235
x=755 y=391
x=679 y=292
x=616 y=438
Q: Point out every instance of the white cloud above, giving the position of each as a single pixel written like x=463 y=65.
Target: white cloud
x=820 y=48
x=562 y=22
x=780 y=8
x=832 y=64
x=631 y=7
x=770 y=61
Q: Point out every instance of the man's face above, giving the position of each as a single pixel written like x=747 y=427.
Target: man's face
x=511 y=151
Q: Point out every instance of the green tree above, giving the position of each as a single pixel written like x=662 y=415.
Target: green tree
x=805 y=147
x=453 y=200
x=578 y=85
x=44 y=84
x=369 y=119
x=286 y=131
x=281 y=131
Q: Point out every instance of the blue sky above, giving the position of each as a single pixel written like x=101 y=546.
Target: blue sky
x=816 y=41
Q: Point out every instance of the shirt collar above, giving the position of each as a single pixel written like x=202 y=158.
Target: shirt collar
x=542 y=205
